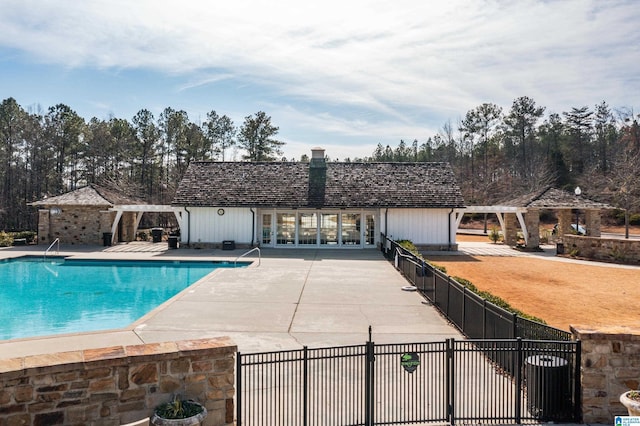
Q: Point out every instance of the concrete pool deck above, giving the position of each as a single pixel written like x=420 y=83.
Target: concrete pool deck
x=296 y=297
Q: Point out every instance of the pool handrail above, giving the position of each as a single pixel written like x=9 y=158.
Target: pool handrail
x=235 y=262
x=57 y=240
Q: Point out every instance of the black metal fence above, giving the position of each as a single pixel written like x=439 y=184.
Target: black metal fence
x=437 y=382
x=476 y=317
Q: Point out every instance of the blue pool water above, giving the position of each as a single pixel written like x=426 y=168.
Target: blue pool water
x=57 y=296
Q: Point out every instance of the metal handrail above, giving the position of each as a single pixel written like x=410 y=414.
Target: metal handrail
x=57 y=240
x=406 y=256
x=235 y=262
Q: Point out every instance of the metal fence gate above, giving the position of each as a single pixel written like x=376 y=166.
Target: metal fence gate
x=480 y=381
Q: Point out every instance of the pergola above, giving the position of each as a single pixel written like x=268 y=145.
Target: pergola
x=525 y=211
x=139 y=210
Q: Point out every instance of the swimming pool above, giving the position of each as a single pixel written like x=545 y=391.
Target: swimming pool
x=42 y=297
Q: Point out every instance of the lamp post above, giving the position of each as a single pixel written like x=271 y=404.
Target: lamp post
x=577 y=191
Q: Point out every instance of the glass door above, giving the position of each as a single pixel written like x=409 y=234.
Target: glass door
x=267 y=229
x=370 y=230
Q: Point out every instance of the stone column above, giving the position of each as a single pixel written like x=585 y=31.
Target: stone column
x=610 y=367
x=592 y=221
x=532 y=222
x=511 y=228
x=564 y=223
x=44 y=227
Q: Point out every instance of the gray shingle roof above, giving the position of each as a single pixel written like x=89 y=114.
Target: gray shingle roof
x=91 y=195
x=340 y=185
x=551 y=198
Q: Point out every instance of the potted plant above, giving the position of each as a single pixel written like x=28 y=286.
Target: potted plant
x=179 y=412
x=631 y=400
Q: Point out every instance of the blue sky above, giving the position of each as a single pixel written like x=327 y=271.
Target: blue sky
x=344 y=75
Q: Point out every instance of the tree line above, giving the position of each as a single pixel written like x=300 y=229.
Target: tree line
x=46 y=153
x=495 y=154
x=498 y=155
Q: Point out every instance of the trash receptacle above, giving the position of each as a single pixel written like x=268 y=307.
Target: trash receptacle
x=548 y=379
x=229 y=245
x=156 y=234
x=173 y=241
x=106 y=238
x=559 y=248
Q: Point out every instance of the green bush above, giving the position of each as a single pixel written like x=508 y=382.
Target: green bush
x=494 y=235
x=634 y=219
x=6 y=240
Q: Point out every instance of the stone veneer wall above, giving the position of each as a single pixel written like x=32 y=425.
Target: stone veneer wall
x=74 y=225
x=607 y=249
x=610 y=367
x=117 y=385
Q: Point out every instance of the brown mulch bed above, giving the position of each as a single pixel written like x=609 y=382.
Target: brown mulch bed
x=561 y=293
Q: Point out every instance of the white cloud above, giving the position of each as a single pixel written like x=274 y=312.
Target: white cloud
x=378 y=58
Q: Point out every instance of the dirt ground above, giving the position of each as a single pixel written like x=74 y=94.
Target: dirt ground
x=561 y=293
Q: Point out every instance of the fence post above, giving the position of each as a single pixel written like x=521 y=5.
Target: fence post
x=518 y=380
x=514 y=331
x=464 y=309
x=484 y=318
x=369 y=381
x=450 y=391
x=238 y=389
x=305 y=385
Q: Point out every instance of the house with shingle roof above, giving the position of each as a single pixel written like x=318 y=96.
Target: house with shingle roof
x=317 y=204
x=84 y=215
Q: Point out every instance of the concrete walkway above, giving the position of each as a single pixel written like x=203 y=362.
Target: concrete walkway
x=295 y=297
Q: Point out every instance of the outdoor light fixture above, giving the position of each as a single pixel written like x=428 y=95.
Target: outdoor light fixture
x=577 y=191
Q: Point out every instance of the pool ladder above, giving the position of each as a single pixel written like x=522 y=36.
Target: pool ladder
x=235 y=262
x=56 y=241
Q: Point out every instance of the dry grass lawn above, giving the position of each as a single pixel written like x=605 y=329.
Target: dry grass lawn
x=561 y=293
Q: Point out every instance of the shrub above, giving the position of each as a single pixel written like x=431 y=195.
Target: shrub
x=6 y=240
x=494 y=235
x=634 y=219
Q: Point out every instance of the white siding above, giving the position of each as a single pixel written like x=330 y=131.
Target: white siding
x=421 y=226
x=207 y=226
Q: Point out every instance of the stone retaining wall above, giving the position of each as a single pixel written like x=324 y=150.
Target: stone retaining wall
x=607 y=249
x=117 y=385
x=610 y=367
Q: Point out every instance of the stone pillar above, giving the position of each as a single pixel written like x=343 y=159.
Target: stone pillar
x=592 y=222
x=610 y=367
x=106 y=221
x=44 y=227
x=128 y=224
x=511 y=227
x=532 y=222
x=564 y=223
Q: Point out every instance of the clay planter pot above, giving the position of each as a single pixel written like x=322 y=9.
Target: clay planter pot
x=632 y=404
